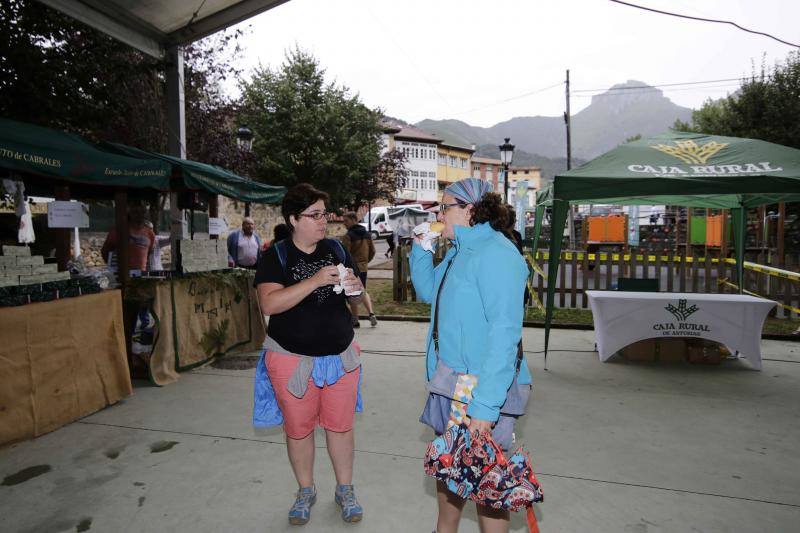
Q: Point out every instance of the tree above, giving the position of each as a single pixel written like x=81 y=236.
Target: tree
x=309 y=131
x=57 y=72
x=766 y=107
x=389 y=175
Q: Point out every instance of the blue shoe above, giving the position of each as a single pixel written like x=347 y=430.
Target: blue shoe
x=300 y=512
x=345 y=496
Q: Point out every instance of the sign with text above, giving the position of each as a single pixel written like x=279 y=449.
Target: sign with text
x=65 y=214
x=217 y=226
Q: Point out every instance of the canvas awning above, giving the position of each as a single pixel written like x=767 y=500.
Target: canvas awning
x=210 y=178
x=675 y=168
x=69 y=158
x=56 y=154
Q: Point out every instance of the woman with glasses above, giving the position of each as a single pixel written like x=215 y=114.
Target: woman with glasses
x=476 y=294
x=310 y=371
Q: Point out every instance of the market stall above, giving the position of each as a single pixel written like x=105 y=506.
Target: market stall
x=69 y=334
x=685 y=169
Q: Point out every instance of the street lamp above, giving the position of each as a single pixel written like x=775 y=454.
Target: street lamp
x=506 y=155
x=244 y=138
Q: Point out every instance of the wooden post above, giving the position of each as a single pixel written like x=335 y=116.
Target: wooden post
x=213 y=210
x=760 y=227
x=121 y=216
x=688 y=232
x=723 y=246
x=781 y=222
x=62 y=235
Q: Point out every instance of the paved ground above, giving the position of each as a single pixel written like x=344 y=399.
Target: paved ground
x=620 y=447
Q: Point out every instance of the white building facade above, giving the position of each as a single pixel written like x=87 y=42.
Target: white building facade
x=420 y=149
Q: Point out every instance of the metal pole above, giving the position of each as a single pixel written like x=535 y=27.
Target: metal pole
x=567 y=120
x=505 y=182
x=176 y=141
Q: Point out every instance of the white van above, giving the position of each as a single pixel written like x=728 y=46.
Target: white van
x=380 y=219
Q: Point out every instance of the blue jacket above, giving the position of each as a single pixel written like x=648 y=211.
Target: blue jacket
x=480 y=313
x=233 y=246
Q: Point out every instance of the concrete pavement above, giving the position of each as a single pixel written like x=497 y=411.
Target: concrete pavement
x=619 y=447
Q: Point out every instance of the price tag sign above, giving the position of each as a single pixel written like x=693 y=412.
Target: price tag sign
x=217 y=226
x=64 y=214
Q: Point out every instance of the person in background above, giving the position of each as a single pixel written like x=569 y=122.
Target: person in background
x=358 y=242
x=391 y=243
x=279 y=232
x=141 y=238
x=154 y=260
x=244 y=245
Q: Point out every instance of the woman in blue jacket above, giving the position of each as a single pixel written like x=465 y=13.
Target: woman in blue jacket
x=476 y=326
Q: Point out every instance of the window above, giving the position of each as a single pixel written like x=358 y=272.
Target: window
x=451 y=161
x=489 y=169
x=476 y=168
x=379 y=218
x=416 y=153
x=442 y=159
x=463 y=161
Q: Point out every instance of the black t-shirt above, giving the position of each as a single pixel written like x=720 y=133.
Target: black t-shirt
x=321 y=324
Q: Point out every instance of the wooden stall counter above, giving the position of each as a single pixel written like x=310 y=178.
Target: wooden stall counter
x=60 y=361
x=185 y=322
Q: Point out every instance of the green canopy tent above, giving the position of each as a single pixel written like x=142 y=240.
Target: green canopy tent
x=693 y=170
x=52 y=160
x=46 y=153
x=210 y=178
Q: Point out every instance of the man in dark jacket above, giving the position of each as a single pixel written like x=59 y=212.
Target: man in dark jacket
x=358 y=242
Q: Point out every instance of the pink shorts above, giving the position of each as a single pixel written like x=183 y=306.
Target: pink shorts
x=332 y=406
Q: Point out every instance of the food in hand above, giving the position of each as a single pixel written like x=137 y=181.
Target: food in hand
x=437 y=227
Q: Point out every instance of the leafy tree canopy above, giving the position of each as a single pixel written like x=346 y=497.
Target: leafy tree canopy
x=766 y=107
x=307 y=130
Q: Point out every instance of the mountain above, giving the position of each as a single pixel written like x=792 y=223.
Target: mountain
x=621 y=112
x=550 y=165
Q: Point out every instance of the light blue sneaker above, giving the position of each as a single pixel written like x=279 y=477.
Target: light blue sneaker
x=345 y=496
x=300 y=512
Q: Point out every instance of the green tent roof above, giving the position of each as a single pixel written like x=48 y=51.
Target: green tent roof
x=56 y=154
x=214 y=179
x=675 y=168
x=49 y=153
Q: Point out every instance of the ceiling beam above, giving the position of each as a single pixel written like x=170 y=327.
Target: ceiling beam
x=222 y=19
x=127 y=29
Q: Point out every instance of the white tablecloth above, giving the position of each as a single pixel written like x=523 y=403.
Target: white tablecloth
x=622 y=318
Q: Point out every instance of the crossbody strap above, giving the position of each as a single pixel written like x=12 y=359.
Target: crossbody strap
x=436 y=308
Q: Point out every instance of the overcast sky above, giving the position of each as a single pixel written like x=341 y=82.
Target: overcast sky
x=477 y=61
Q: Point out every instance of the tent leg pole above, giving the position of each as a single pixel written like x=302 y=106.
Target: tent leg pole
x=176 y=140
x=62 y=235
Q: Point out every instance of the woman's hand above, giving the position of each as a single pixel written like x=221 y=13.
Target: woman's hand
x=480 y=426
x=351 y=283
x=328 y=275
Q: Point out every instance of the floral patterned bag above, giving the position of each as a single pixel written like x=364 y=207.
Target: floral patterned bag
x=474 y=467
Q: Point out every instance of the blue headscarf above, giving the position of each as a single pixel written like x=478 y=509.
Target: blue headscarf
x=469 y=190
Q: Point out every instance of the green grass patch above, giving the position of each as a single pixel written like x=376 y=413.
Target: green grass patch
x=380 y=290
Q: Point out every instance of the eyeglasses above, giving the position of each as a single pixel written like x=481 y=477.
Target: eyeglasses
x=318 y=215
x=445 y=207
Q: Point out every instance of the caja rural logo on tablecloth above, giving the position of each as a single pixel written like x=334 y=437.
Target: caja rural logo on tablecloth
x=696 y=156
x=681 y=328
